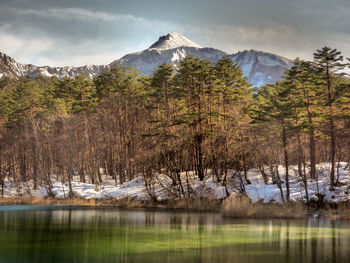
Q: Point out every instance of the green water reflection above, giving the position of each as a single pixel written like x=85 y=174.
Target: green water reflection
x=109 y=235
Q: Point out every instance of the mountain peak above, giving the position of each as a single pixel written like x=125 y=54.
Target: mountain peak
x=173 y=40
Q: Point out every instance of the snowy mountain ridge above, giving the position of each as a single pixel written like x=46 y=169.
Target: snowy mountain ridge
x=259 y=67
x=11 y=68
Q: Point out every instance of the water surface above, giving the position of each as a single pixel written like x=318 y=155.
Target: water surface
x=63 y=234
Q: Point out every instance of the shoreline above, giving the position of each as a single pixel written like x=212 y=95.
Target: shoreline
x=193 y=205
x=291 y=211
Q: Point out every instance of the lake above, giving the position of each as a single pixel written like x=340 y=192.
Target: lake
x=64 y=234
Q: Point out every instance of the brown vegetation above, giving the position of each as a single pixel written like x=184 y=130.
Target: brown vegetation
x=198 y=204
x=242 y=207
x=341 y=212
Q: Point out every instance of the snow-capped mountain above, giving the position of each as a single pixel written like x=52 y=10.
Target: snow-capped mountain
x=260 y=67
x=11 y=68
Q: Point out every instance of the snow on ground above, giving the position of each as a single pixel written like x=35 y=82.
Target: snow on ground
x=162 y=188
x=270 y=192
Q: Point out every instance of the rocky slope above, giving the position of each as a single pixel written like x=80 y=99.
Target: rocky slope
x=259 y=67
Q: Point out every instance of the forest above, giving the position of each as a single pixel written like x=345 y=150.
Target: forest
x=201 y=119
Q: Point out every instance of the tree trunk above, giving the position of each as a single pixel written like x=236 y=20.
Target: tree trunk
x=311 y=141
x=286 y=164
x=200 y=157
x=331 y=123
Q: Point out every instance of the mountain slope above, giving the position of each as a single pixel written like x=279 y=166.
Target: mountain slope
x=149 y=59
x=259 y=67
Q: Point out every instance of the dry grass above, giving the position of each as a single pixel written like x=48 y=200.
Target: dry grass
x=32 y=200
x=342 y=212
x=197 y=204
x=242 y=207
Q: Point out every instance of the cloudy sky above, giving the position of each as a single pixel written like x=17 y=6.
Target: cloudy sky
x=55 y=33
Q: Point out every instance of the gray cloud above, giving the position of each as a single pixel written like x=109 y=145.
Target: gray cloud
x=79 y=14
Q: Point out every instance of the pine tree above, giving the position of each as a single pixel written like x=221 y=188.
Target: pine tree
x=330 y=64
x=305 y=87
x=161 y=81
x=192 y=78
x=273 y=104
x=232 y=93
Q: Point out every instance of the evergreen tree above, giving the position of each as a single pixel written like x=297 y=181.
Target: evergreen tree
x=232 y=93
x=161 y=81
x=330 y=64
x=192 y=78
x=273 y=104
x=305 y=87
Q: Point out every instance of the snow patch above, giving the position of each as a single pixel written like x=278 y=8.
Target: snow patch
x=178 y=55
